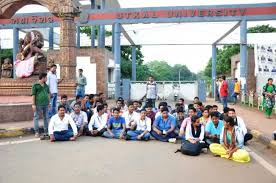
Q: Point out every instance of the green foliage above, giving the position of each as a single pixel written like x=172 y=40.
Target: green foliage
x=126 y=62
x=185 y=73
x=5 y=53
x=162 y=71
x=87 y=30
x=126 y=52
x=142 y=72
x=261 y=29
x=223 y=65
x=224 y=55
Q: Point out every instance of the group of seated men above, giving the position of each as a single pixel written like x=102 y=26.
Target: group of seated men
x=91 y=116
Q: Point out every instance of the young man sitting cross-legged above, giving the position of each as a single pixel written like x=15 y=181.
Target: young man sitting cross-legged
x=164 y=126
x=80 y=119
x=116 y=126
x=58 y=127
x=98 y=123
x=143 y=128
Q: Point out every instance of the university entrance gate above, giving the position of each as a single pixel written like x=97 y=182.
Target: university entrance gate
x=64 y=13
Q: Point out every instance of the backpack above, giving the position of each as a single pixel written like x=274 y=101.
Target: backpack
x=265 y=89
x=190 y=149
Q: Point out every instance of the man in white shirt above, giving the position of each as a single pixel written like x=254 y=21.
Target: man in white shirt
x=80 y=118
x=98 y=123
x=240 y=123
x=143 y=128
x=151 y=91
x=53 y=82
x=130 y=116
x=58 y=127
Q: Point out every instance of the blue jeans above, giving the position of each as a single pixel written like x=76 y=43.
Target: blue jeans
x=224 y=101
x=53 y=101
x=162 y=137
x=133 y=135
x=80 y=91
x=150 y=101
x=235 y=95
x=182 y=138
x=63 y=135
x=44 y=110
x=85 y=129
x=116 y=133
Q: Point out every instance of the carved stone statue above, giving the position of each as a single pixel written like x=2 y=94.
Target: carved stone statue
x=6 y=68
x=50 y=63
x=31 y=59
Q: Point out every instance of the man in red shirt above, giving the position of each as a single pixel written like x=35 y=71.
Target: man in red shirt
x=224 y=91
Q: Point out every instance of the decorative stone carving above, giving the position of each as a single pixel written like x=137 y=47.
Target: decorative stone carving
x=6 y=68
x=31 y=60
x=50 y=63
x=68 y=8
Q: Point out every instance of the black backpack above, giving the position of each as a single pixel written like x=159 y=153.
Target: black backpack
x=190 y=149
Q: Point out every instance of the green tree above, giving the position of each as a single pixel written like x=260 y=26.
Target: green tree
x=161 y=70
x=142 y=72
x=224 y=55
x=261 y=29
x=5 y=53
x=185 y=73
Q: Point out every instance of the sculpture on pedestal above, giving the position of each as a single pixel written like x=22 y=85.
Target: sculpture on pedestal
x=30 y=60
x=6 y=68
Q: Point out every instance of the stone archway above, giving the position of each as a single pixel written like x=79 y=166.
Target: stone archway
x=66 y=10
x=9 y=7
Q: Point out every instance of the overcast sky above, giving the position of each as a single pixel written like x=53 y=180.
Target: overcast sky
x=194 y=56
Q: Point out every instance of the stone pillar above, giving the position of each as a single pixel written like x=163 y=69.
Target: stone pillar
x=78 y=36
x=68 y=48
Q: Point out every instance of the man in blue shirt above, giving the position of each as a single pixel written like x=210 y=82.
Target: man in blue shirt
x=213 y=128
x=116 y=126
x=164 y=126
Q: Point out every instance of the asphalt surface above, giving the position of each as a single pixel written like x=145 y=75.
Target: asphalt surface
x=104 y=160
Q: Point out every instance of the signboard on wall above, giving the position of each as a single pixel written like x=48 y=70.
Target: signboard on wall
x=265 y=60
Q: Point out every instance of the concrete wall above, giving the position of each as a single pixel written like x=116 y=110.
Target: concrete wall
x=166 y=90
x=15 y=112
x=251 y=79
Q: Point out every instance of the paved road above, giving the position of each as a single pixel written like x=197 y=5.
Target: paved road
x=112 y=161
